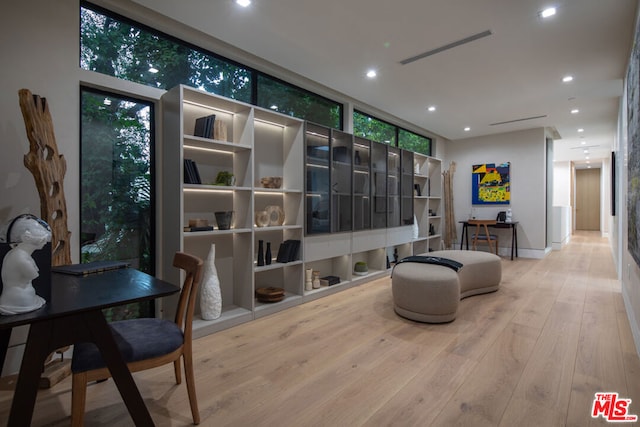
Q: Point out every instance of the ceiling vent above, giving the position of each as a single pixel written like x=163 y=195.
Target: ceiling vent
x=518 y=120
x=447 y=47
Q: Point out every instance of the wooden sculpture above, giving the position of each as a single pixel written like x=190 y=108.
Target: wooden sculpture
x=48 y=168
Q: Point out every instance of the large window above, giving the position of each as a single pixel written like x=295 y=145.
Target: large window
x=116 y=185
x=414 y=142
x=372 y=128
x=288 y=99
x=113 y=45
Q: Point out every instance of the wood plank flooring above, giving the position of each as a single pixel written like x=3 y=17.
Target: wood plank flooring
x=532 y=354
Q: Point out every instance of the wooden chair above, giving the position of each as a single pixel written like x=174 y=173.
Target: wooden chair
x=487 y=237
x=145 y=343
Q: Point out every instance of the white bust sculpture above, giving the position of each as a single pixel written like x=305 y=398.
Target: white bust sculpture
x=26 y=233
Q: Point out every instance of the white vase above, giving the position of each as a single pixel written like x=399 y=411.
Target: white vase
x=416 y=228
x=210 y=296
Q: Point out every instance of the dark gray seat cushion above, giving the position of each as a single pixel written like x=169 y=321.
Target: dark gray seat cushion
x=137 y=339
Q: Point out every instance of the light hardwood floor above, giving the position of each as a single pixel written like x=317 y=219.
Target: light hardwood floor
x=531 y=354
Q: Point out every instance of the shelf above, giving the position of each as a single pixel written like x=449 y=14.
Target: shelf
x=274 y=266
x=208 y=144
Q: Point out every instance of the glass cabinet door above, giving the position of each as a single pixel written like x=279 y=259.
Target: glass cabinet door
x=407 y=186
x=379 y=184
x=393 y=187
x=341 y=172
x=361 y=184
x=318 y=196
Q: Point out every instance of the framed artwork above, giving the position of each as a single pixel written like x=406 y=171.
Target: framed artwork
x=490 y=184
x=633 y=155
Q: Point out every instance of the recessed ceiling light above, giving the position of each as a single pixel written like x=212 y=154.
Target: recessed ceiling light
x=243 y=3
x=567 y=79
x=586 y=151
x=587 y=157
x=371 y=74
x=550 y=11
x=580 y=130
x=583 y=142
x=432 y=108
x=467 y=129
x=575 y=111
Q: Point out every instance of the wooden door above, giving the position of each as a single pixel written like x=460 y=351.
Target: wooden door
x=588 y=199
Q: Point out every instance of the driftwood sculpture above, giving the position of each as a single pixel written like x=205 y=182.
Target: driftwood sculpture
x=48 y=168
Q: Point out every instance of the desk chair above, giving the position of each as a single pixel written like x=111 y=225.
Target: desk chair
x=145 y=343
x=486 y=237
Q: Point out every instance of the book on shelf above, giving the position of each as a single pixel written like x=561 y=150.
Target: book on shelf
x=202 y=228
x=329 y=280
x=204 y=126
x=191 y=173
x=288 y=251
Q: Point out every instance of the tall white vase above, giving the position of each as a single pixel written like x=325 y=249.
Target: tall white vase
x=210 y=296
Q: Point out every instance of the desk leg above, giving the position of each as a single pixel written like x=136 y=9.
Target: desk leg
x=515 y=238
x=5 y=334
x=36 y=351
x=46 y=336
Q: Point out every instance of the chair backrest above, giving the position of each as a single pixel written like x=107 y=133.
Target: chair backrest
x=193 y=267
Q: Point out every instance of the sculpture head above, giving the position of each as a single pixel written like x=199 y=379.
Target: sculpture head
x=29 y=230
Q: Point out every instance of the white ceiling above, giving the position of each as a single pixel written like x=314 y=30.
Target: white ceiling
x=515 y=73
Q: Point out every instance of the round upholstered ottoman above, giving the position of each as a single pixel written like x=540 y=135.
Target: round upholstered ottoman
x=425 y=292
x=481 y=272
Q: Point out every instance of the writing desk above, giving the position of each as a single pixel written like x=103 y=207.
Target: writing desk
x=74 y=314
x=512 y=225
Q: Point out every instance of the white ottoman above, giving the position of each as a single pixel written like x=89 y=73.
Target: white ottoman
x=431 y=293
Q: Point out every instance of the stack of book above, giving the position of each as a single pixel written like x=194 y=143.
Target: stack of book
x=191 y=173
x=204 y=126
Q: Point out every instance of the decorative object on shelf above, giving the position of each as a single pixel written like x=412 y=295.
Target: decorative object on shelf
x=416 y=228
x=270 y=294
x=416 y=190
x=308 y=279
x=360 y=268
x=508 y=216
x=329 y=280
x=276 y=215
x=198 y=222
x=260 y=253
x=204 y=228
x=220 y=130
x=416 y=167
x=356 y=158
x=25 y=234
x=388 y=263
x=210 y=295
x=224 y=219
x=262 y=218
x=316 y=279
x=432 y=230
x=288 y=251
x=225 y=178
x=395 y=255
x=271 y=181
x=267 y=254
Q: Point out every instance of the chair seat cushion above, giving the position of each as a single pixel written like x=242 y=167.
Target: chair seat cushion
x=137 y=339
x=484 y=237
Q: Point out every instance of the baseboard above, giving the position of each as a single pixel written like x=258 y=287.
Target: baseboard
x=633 y=322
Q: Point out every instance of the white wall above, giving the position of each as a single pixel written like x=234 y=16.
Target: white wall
x=562 y=184
x=525 y=150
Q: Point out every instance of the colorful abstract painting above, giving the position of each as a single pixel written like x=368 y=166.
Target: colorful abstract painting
x=633 y=150
x=490 y=184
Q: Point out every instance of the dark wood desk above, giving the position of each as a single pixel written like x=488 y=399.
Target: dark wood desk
x=74 y=314
x=514 y=234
